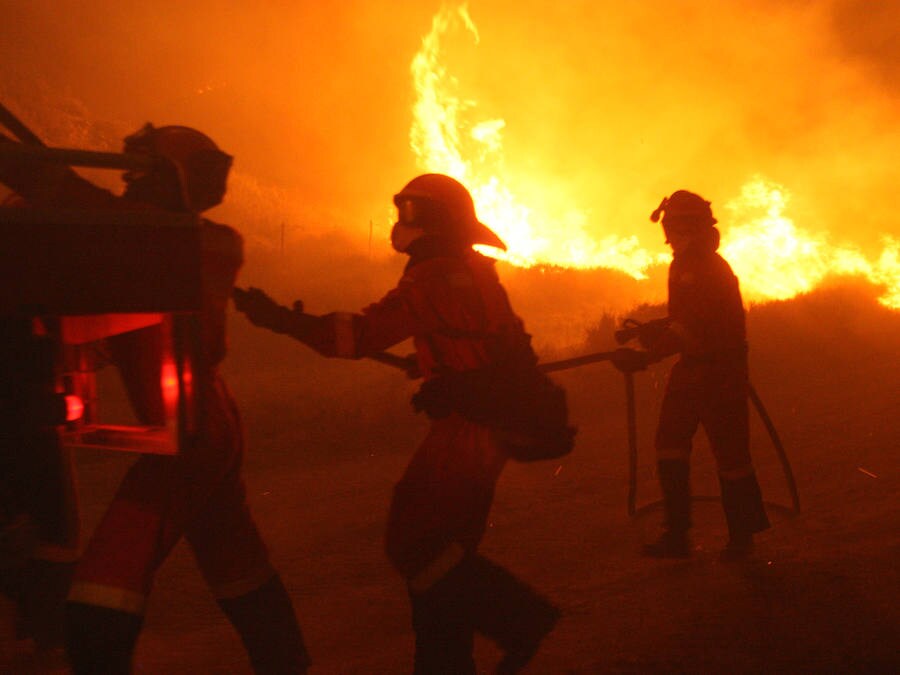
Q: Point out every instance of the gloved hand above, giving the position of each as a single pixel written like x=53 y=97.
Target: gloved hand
x=261 y=310
x=652 y=331
x=630 y=360
x=647 y=333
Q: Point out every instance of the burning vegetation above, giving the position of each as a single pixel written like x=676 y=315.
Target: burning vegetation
x=567 y=128
x=568 y=121
x=774 y=258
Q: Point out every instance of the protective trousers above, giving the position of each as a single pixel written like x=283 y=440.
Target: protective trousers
x=743 y=506
x=478 y=596
x=437 y=519
x=713 y=394
x=675 y=483
x=199 y=495
x=440 y=505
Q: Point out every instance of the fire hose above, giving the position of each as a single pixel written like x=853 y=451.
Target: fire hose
x=33 y=149
x=410 y=367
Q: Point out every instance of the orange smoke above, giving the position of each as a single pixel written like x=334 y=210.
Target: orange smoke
x=774 y=258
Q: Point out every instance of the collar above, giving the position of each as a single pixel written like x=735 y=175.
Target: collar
x=428 y=247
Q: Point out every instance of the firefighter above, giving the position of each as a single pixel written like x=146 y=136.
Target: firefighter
x=451 y=302
x=39 y=518
x=198 y=494
x=707 y=386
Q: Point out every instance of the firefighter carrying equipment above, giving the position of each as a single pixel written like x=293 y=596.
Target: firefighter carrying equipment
x=442 y=205
x=526 y=410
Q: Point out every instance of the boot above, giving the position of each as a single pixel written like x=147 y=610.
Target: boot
x=670 y=544
x=100 y=640
x=745 y=515
x=443 y=628
x=509 y=612
x=42 y=604
x=265 y=620
x=674 y=480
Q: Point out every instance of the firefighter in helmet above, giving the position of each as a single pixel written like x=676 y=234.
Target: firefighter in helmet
x=198 y=494
x=707 y=386
x=451 y=302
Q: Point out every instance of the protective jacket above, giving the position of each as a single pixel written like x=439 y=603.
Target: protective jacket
x=451 y=303
x=708 y=385
x=198 y=494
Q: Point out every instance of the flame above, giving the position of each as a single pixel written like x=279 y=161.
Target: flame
x=776 y=260
x=773 y=258
x=446 y=139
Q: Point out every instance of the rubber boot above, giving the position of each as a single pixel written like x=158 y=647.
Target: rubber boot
x=100 y=640
x=443 y=627
x=508 y=611
x=674 y=480
x=265 y=620
x=42 y=605
x=745 y=515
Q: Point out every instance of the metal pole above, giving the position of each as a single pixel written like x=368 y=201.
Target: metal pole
x=407 y=364
x=404 y=362
x=575 y=362
x=103 y=160
x=15 y=125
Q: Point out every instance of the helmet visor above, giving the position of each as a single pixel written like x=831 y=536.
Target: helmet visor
x=408 y=212
x=434 y=219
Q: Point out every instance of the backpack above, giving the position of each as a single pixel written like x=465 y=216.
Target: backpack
x=526 y=410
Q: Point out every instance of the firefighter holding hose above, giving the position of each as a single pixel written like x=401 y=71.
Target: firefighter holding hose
x=707 y=386
x=451 y=302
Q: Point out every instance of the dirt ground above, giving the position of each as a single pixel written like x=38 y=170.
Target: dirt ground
x=820 y=596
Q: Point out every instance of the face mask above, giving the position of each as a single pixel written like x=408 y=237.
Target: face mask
x=403 y=235
x=159 y=188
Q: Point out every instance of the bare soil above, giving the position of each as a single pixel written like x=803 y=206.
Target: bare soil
x=327 y=441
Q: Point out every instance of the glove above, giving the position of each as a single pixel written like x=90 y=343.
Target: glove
x=651 y=332
x=630 y=360
x=261 y=310
x=646 y=333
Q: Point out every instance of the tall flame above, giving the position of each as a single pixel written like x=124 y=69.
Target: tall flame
x=446 y=139
x=773 y=258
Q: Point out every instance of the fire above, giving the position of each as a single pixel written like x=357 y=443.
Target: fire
x=776 y=260
x=773 y=257
x=446 y=140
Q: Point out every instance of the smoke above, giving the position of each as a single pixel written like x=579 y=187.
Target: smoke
x=607 y=107
x=614 y=106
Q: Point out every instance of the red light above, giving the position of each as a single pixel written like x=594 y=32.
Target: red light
x=169 y=383
x=74 y=408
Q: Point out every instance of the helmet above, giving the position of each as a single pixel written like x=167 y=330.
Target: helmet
x=441 y=205
x=688 y=208
x=201 y=168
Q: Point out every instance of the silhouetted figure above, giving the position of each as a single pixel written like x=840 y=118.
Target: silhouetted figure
x=707 y=386
x=39 y=518
x=199 y=493
x=451 y=303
